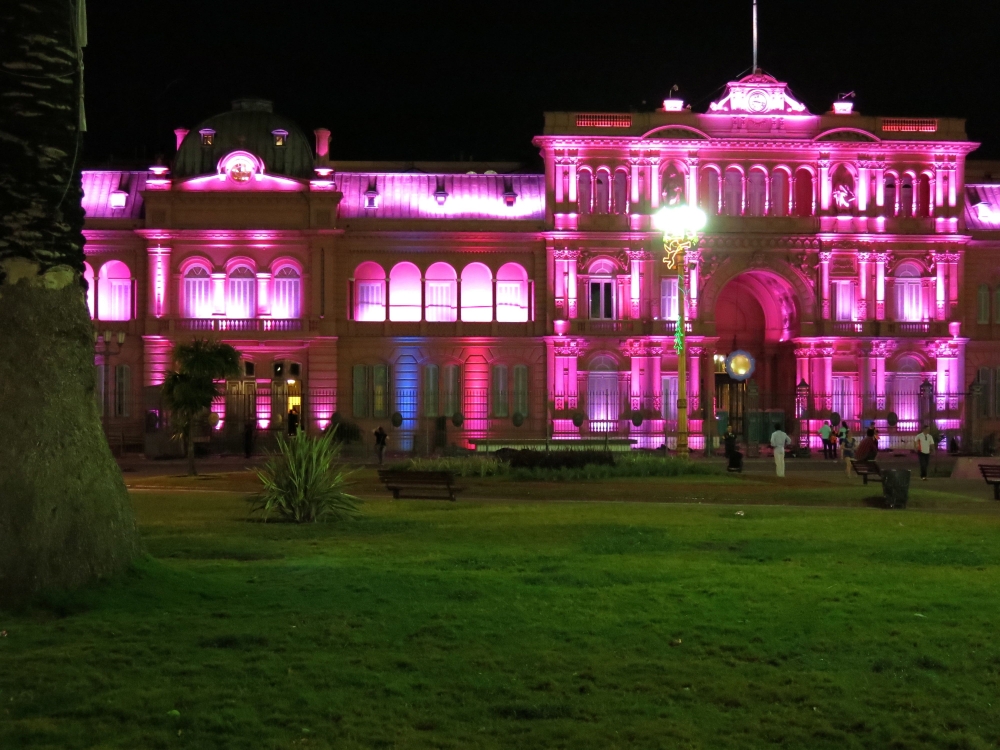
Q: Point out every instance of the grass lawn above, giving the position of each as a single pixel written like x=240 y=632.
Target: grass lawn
x=514 y=624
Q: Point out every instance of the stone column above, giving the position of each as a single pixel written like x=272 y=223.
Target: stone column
x=654 y=182
x=952 y=259
x=159 y=282
x=940 y=286
x=219 y=293
x=693 y=258
x=572 y=181
x=824 y=183
x=824 y=282
x=880 y=260
x=708 y=395
x=571 y=284
x=264 y=293
x=863 y=259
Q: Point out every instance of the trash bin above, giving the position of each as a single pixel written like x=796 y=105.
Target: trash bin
x=896 y=487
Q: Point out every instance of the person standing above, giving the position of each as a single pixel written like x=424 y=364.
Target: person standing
x=249 y=437
x=734 y=457
x=843 y=433
x=381 y=438
x=925 y=444
x=293 y=421
x=824 y=432
x=779 y=439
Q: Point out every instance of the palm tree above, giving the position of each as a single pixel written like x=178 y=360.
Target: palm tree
x=189 y=390
x=65 y=516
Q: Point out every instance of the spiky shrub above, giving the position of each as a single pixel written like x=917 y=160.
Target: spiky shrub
x=305 y=482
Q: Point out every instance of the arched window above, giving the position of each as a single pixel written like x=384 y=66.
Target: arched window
x=512 y=294
x=602 y=192
x=708 y=191
x=369 y=292
x=908 y=293
x=906 y=196
x=287 y=299
x=983 y=303
x=756 y=192
x=585 y=190
x=803 y=192
x=477 y=294
x=733 y=201
x=88 y=276
x=440 y=296
x=198 y=293
x=601 y=290
x=404 y=292
x=891 y=198
x=241 y=293
x=905 y=393
x=114 y=291
x=673 y=190
x=924 y=196
x=619 y=196
x=779 y=193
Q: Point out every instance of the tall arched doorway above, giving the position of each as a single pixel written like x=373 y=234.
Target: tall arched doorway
x=757 y=312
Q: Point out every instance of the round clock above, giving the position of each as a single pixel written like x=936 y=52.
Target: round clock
x=757 y=101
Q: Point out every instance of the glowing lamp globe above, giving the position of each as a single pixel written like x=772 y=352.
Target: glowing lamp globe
x=679 y=221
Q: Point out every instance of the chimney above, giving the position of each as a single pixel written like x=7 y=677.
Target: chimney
x=180 y=133
x=322 y=144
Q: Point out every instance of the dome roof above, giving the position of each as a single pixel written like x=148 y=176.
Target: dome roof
x=249 y=126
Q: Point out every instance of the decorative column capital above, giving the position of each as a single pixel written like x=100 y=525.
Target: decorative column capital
x=825 y=256
x=864 y=257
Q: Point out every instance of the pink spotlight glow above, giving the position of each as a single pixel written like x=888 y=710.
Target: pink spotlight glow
x=477 y=294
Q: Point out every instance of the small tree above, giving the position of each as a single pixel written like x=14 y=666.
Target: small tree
x=189 y=390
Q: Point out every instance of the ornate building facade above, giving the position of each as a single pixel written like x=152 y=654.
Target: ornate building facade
x=849 y=256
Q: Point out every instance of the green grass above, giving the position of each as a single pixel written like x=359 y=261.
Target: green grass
x=526 y=625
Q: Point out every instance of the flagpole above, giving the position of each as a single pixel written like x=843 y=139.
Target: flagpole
x=754 y=36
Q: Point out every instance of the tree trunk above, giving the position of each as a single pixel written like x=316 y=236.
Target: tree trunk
x=65 y=517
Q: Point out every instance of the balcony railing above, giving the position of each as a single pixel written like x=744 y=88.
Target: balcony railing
x=239 y=325
x=635 y=327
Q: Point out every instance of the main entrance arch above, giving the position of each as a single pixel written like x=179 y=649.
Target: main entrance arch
x=757 y=311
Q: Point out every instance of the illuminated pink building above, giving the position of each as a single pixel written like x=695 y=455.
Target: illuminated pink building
x=473 y=304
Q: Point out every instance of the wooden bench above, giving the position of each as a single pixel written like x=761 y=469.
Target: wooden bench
x=426 y=484
x=991 y=473
x=865 y=469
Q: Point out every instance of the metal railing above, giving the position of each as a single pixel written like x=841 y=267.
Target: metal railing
x=239 y=325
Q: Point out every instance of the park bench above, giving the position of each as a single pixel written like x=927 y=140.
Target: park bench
x=991 y=473
x=419 y=484
x=865 y=469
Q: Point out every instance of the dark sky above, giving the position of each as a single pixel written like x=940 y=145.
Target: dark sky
x=430 y=81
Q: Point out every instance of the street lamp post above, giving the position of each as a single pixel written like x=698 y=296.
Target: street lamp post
x=680 y=225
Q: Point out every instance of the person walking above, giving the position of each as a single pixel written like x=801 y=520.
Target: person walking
x=381 y=438
x=843 y=434
x=824 y=432
x=779 y=439
x=925 y=444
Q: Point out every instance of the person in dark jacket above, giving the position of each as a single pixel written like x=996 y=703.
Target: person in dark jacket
x=293 y=421
x=249 y=437
x=381 y=438
x=734 y=456
x=868 y=448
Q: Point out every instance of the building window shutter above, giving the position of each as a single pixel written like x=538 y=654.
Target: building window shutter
x=453 y=387
x=381 y=405
x=668 y=299
x=431 y=405
x=123 y=390
x=500 y=401
x=521 y=390
x=983 y=299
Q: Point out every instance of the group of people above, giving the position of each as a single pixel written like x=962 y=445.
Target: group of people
x=834 y=439
x=849 y=448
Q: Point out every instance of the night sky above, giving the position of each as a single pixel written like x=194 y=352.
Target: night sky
x=435 y=81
